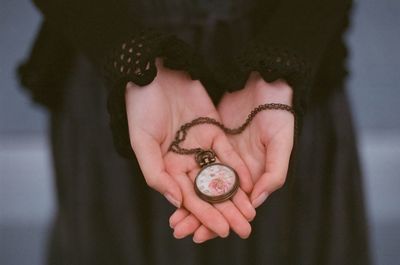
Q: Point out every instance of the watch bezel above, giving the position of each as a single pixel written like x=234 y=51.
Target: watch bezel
x=222 y=197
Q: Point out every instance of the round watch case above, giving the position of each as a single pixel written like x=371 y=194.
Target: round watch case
x=216 y=182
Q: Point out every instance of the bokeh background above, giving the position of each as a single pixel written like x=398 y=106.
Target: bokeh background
x=26 y=184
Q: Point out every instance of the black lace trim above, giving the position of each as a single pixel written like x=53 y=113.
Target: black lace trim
x=134 y=61
x=279 y=63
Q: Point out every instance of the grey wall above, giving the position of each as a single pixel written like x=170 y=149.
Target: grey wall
x=375 y=64
x=18 y=24
x=26 y=192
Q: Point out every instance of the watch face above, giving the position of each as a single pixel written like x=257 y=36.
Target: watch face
x=216 y=182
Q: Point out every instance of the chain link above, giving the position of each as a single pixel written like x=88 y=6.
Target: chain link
x=182 y=132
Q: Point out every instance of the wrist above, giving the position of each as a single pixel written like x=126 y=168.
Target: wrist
x=278 y=91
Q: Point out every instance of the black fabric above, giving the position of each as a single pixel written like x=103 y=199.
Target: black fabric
x=107 y=215
x=285 y=39
x=48 y=67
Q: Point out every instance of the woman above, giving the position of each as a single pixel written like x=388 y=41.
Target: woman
x=169 y=63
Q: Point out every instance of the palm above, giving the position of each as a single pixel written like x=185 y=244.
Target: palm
x=155 y=113
x=265 y=145
x=271 y=131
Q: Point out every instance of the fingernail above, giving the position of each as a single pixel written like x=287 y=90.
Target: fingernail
x=176 y=235
x=197 y=241
x=260 y=199
x=253 y=213
x=226 y=234
x=172 y=200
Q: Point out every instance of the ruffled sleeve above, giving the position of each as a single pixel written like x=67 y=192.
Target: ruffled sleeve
x=121 y=46
x=291 y=41
x=134 y=61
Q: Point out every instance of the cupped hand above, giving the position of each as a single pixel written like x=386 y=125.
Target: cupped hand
x=265 y=146
x=155 y=113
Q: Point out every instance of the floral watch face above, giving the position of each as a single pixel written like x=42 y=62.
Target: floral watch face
x=216 y=183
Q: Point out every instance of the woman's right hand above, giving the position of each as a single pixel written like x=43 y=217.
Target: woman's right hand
x=155 y=112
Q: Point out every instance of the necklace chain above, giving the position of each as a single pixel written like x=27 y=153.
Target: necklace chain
x=182 y=132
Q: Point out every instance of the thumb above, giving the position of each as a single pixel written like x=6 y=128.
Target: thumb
x=276 y=167
x=149 y=156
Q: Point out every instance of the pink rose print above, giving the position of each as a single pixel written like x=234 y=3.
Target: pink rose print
x=218 y=186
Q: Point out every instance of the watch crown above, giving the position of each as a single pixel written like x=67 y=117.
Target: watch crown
x=205 y=157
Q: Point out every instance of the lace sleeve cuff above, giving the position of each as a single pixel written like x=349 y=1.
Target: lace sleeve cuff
x=279 y=63
x=134 y=61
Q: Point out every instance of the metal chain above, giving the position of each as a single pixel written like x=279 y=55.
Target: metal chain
x=182 y=132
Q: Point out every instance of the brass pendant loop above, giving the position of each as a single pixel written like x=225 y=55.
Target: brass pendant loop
x=205 y=157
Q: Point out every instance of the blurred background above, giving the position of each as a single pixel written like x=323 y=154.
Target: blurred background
x=26 y=184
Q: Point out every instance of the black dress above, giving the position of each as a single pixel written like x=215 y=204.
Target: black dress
x=106 y=213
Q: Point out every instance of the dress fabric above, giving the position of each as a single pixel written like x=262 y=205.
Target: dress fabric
x=107 y=214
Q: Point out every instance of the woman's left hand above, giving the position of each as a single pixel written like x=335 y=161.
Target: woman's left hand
x=265 y=146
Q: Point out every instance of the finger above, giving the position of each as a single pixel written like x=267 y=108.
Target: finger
x=276 y=167
x=177 y=216
x=235 y=219
x=227 y=154
x=191 y=225
x=202 y=210
x=242 y=202
x=180 y=215
x=202 y=234
x=186 y=227
x=149 y=156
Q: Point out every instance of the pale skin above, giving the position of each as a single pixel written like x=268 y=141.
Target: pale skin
x=265 y=145
x=260 y=155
